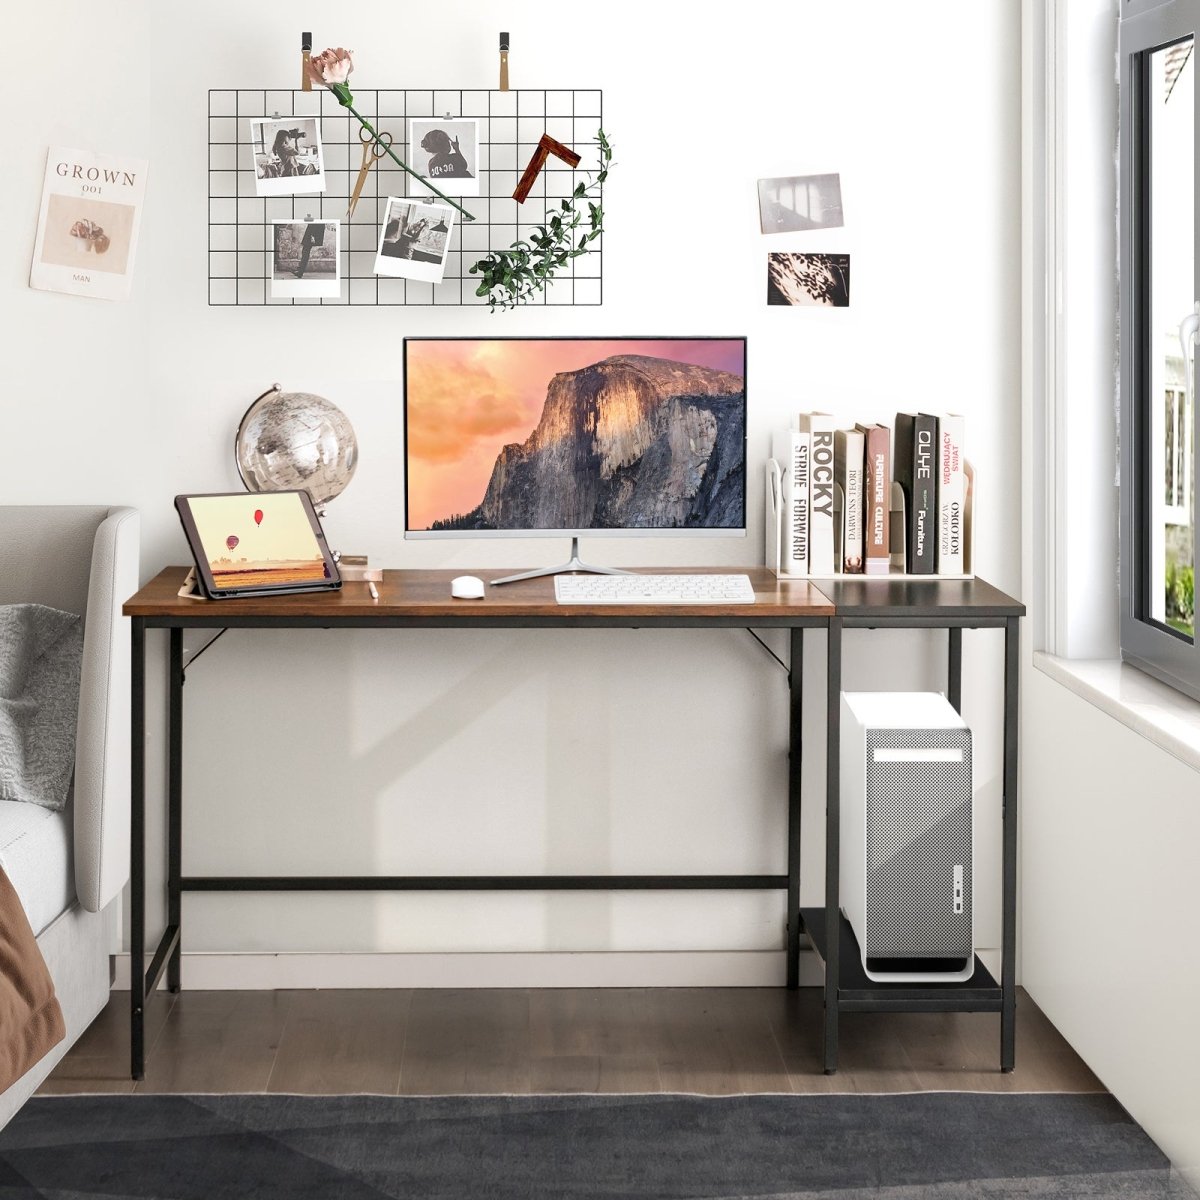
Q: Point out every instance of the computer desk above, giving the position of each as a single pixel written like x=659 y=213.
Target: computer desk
x=420 y=599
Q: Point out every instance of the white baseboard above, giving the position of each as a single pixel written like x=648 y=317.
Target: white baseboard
x=684 y=968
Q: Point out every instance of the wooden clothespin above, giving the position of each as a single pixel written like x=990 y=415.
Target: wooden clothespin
x=546 y=147
x=504 y=62
x=305 y=55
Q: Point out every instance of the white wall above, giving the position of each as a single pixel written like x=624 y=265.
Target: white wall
x=527 y=751
x=1109 y=824
x=1110 y=897
x=1086 y=467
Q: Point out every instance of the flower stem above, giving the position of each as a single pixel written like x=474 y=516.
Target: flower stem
x=403 y=165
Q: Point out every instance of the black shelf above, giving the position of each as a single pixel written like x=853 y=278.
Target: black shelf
x=857 y=993
x=953 y=605
x=868 y=602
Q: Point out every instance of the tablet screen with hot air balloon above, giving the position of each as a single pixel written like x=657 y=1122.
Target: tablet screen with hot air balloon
x=246 y=543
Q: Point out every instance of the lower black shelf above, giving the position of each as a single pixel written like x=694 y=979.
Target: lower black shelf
x=857 y=993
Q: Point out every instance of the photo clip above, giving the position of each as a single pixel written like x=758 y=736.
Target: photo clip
x=305 y=55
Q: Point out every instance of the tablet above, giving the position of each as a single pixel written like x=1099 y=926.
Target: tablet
x=254 y=544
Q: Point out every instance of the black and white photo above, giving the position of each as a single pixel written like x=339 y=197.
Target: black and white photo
x=797 y=202
x=446 y=152
x=305 y=259
x=414 y=241
x=288 y=160
x=814 y=280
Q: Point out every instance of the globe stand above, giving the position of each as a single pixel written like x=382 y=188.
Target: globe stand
x=292 y=441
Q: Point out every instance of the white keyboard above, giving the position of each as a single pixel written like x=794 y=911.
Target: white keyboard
x=653 y=589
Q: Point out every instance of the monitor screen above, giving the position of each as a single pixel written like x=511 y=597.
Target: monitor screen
x=511 y=436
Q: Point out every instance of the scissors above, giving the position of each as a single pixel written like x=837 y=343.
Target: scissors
x=373 y=148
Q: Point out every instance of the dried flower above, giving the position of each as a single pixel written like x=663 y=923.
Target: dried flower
x=89 y=235
x=331 y=69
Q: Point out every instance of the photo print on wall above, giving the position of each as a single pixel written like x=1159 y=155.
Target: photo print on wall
x=445 y=151
x=798 y=202
x=812 y=280
x=305 y=259
x=414 y=241
x=288 y=160
x=88 y=224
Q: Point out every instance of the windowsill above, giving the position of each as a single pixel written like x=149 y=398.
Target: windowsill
x=1159 y=713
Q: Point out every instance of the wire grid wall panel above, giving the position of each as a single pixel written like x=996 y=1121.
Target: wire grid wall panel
x=510 y=126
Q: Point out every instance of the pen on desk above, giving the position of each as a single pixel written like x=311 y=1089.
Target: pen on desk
x=371 y=588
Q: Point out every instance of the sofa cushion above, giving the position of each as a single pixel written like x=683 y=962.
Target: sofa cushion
x=36 y=854
x=41 y=651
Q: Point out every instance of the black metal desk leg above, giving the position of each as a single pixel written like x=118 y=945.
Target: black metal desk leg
x=175 y=802
x=954 y=671
x=833 y=764
x=795 y=737
x=137 y=852
x=1008 y=964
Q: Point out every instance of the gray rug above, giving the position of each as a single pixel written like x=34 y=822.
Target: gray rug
x=936 y=1145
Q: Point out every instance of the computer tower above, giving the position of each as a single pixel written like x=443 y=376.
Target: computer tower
x=907 y=836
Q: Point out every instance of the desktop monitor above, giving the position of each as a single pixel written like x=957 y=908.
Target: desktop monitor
x=528 y=437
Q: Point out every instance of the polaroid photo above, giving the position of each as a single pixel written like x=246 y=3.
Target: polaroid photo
x=414 y=241
x=287 y=156
x=305 y=259
x=809 y=280
x=798 y=202
x=446 y=152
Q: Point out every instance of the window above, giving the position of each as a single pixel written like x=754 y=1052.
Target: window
x=1159 y=322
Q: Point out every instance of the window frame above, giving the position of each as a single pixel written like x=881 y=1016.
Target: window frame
x=1145 y=643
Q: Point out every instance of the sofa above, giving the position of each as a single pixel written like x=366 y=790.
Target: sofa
x=68 y=868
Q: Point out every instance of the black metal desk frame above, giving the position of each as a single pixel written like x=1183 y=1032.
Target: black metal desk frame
x=824 y=928
x=846 y=987
x=144 y=980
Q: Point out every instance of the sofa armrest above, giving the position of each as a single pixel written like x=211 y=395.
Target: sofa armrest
x=102 y=749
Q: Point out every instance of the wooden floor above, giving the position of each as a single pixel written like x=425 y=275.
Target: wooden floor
x=709 y=1040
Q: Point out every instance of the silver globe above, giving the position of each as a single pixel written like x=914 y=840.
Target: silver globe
x=292 y=440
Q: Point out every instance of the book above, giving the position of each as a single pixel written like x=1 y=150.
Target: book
x=820 y=427
x=951 y=495
x=791 y=451
x=848 y=476
x=877 y=498
x=88 y=224
x=913 y=462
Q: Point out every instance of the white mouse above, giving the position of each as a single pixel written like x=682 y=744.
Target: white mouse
x=466 y=587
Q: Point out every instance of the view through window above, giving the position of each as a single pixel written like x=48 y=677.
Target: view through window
x=1171 y=213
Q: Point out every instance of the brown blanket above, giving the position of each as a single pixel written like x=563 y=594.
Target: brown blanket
x=31 y=1022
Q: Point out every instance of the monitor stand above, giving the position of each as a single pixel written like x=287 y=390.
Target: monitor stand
x=576 y=564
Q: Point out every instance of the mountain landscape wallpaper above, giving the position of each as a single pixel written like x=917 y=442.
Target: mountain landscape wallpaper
x=517 y=434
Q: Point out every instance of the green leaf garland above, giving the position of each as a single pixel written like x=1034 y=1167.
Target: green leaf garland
x=514 y=276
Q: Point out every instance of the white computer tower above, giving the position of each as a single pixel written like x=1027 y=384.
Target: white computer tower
x=907 y=836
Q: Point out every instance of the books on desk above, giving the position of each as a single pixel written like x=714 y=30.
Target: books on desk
x=849 y=500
